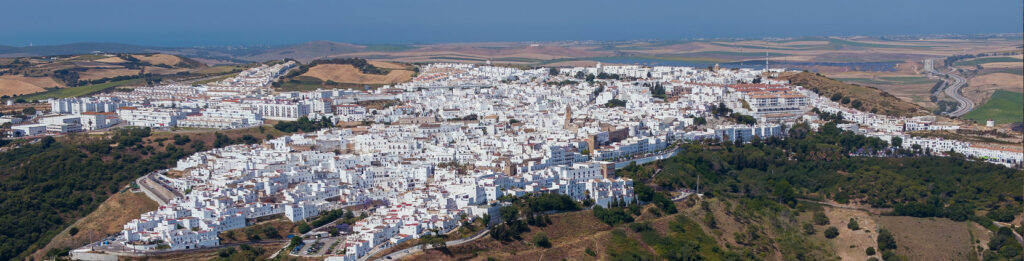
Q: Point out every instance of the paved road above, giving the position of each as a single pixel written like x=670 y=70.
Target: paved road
x=952 y=88
x=414 y=249
x=1020 y=240
x=156 y=190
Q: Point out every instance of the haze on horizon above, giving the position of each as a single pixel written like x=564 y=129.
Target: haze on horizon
x=272 y=22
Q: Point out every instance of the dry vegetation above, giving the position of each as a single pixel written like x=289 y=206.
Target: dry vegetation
x=164 y=59
x=96 y=74
x=390 y=65
x=19 y=85
x=929 y=238
x=873 y=99
x=571 y=233
x=851 y=245
x=344 y=73
x=580 y=236
x=980 y=88
x=112 y=59
x=105 y=220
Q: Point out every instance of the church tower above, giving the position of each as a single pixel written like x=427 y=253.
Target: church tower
x=568 y=115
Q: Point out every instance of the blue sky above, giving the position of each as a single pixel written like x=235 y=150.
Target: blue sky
x=275 y=22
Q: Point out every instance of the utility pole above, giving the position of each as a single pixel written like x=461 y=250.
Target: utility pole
x=698 y=185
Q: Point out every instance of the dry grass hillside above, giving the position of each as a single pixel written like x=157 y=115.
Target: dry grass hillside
x=18 y=85
x=164 y=59
x=980 y=88
x=345 y=73
x=931 y=238
x=872 y=99
x=105 y=220
x=580 y=236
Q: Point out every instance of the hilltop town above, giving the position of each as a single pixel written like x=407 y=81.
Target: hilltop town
x=448 y=146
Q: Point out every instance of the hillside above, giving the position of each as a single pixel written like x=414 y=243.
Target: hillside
x=304 y=51
x=760 y=205
x=870 y=99
x=56 y=76
x=107 y=219
x=350 y=73
x=47 y=186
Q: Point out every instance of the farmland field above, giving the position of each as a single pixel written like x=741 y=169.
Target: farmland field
x=344 y=73
x=985 y=60
x=21 y=85
x=81 y=90
x=1003 y=107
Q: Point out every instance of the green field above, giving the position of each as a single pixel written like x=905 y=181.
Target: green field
x=1017 y=71
x=81 y=90
x=910 y=79
x=1004 y=107
x=837 y=43
x=975 y=62
x=755 y=47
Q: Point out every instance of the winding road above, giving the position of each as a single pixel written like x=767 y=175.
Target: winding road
x=952 y=88
x=414 y=249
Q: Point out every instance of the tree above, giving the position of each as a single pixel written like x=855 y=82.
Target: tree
x=885 y=240
x=553 y=71
x=709 y=219
x=541 y=240
x=615 y=103
x=590 y=78
x=784 y=193
x=853 y=225
x=296 y=241
x=820 y=218
x=433 y=241
x=29 y=111
x=870 y=251
x=700 y=121
x=836 y=97
x=486 y=219
x=809 y=229
x=303 y=227
x=831 y=232
x=896 y=142
x=73 y=231
x=509 y=214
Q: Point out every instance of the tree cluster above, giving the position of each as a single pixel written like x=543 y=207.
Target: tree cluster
x=50 y=183
x=303 y=124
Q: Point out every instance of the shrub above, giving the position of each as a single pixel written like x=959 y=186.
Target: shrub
x=296 y=241
x=831 y=232
x=541 y=240
x=73 y=231
x=303 y=228
x=870 y=251
x=885 y=240
x=820 y=218
x=853 y=225
x=809 y=229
